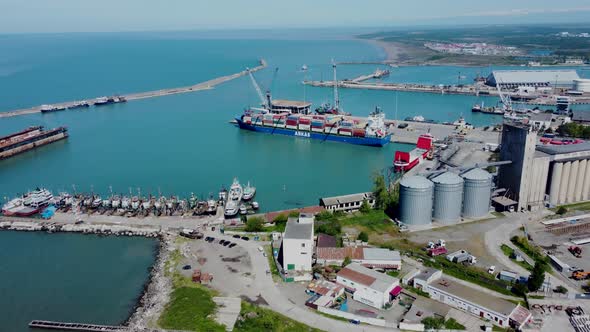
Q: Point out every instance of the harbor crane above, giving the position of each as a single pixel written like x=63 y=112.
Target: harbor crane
x=265 y=102
x=506 y=101
x=336 y=99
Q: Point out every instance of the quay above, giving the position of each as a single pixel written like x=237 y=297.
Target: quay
x=148 y=94
x=375 y=75
x=51 y=325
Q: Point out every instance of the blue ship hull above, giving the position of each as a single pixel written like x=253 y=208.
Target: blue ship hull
x=368 y=141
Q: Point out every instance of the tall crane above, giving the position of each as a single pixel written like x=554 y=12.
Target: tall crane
x=506 y=101
x=336 y=99
x=263 y=101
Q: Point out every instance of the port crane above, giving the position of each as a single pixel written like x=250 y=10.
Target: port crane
x=265 y=102
x=506 y=101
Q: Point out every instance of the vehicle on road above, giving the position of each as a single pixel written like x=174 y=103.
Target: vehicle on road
x=232 y=245
x=186 y=267
x=236 y=236
x=260 y=249
x=245 y=238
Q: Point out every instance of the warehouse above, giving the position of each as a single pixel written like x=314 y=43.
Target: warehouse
x=368 y=257
x=347 y=203
x=295 y=255
x=368 y=286
x=477 y=303
x=512 y=79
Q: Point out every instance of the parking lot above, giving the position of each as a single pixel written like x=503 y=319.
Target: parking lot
x=229 y=265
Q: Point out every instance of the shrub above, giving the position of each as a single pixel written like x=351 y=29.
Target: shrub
x=562 y=210
x=294 y=214
x=324 y=215
x=346 y=261
x=363 y=237
x=365 y=207
x=560 y=289
x=254 y=224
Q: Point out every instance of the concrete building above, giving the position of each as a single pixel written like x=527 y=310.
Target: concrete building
x=347 y=203
x=477 y=303
x=368 y=286
x=296 y=251
x=540 y=120
x=369 y=257
x=425 y=277
x=508 y=276
x=518 y=145
x=582 y=117
x=534 y=78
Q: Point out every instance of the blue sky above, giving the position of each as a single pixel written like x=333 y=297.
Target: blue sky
x=18 y=16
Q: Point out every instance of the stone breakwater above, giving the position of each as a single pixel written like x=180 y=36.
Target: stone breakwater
x=156 y=292
x=116 y=230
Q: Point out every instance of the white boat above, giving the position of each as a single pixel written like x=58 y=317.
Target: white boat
x=125 y=203
x=116 y=202
x=255 y=205
x=223 y=194
x=243 y=209
x=231 y=209
x=96 y=202
x=211 y=205
x=236 y=191
x=106 y=203
x=147 y=204
x=249 y=192
x=37 y=198
x=135 y=203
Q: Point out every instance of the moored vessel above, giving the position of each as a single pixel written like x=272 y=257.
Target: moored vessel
x=405 y=161
x=28 y=204
x=249 y=192
x=28 y=139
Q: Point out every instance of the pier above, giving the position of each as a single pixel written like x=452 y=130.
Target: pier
x=50 y=325
x=376 y=75
x=148 y=94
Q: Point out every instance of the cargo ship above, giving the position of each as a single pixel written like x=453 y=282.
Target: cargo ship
x=293 y=118
x=30 y=203
x=28 y=139
x=405 y=161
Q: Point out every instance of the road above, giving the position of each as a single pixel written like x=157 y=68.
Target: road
x=279 y=303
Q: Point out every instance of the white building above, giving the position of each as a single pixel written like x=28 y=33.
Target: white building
x=347 y=203
x=477 y=303
x=296 y=249
x=368 y=286
x=426 y=276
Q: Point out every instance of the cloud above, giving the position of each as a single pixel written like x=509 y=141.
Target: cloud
x=525 y=11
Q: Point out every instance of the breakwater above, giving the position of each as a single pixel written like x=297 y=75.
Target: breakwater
x=51 y=227
x=147 y=94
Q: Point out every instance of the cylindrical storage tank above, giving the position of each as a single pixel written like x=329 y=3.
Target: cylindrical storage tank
x=448 y=196
x=582 y=85
x=415 y=200
x=477 y=192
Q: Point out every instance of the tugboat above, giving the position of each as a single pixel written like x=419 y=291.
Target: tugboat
x=249 y=192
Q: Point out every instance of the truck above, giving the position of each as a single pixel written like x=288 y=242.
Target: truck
x=580 y=275
x=436 y=249
x=576 y=251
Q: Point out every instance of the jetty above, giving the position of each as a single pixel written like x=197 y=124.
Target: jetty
x=375 y=75
x=148 y=94
x=51 y=325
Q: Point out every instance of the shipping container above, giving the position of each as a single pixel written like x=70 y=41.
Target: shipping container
x=345 y=131
x=304 y=126
x=358 y=133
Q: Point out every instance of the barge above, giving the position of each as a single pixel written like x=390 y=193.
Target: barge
x=28 y=139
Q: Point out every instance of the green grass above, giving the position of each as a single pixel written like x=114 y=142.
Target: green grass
x=393 y=273
x=267 y=320
x=498 y=214
x=416 y=291
x=271 y=262
x=578 y=206
x=440 y=323
x=190 y=309
x=332 y=316
x=536 y=297
x=509 y=252
x=528 y=248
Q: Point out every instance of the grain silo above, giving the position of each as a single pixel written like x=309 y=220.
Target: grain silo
x=415 y=200
x=477 y=192
x=448 y=196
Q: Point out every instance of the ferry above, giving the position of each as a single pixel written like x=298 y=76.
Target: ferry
x=405 y=161
x=293 y=118
x=30 y=203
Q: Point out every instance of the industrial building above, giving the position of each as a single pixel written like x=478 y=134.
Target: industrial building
x=445 y=197
x=368 y=257
x=582 y=117
x=511 y=79
x=296 y=251
x=542 y=174
x=368 y=286
x=582 y=85
x=477 y=303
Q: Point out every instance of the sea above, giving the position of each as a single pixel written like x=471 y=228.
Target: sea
x=180 y=144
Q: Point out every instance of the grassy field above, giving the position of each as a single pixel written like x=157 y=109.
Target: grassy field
x=190 y=309
x=271 y=262
x=578 y=206
x=267 y=320
x=374 y=222
x=509 y=252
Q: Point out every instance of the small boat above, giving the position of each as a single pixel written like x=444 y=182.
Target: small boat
x=243 y=209
x=231 y=209
x=116 y=202
x=223 y=194
x=255 y=205
x=146 y=204
x=96 y=202
x=211 y=205
x=79 y=104
x=135 y=203
x=236 y=191
x=249 y=192
x=125 y=203
x=101 y=101
x=107 y=203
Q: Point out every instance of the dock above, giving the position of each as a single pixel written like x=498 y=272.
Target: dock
x=50 y=325
x=148 y=94
x=375 y=75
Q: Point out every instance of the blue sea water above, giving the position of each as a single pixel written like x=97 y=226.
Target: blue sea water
x=70 y=277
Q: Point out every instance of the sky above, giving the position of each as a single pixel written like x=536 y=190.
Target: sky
x=50 y=16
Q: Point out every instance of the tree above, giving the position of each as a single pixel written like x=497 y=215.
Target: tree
x=560 y=289
x=562 y=210
x=254 y=224
x=537 y=276
x=380 y=192
x=294 y=214
x=363 y=237
x=280 y=219
x=346 y=261
x=365 y=207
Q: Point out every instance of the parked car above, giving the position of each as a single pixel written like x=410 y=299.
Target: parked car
x=236 y=236
x=245 y=238
x=186 y=267
x=232 y=245
x=260 y=249
x=355 y=321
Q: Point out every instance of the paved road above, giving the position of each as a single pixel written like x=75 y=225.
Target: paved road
x=279 y=303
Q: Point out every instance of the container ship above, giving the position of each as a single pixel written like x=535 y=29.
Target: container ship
x=405 y=161
x=28 y=139
x=28 y=204
x=293 y=118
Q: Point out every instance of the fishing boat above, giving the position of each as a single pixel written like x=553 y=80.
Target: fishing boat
x=135 y=203
x=28 y=204
x=255 y=205
x=249 y=192
x=231 y=209
x=243 y=209
x=235 y=191
x=223 y=194
x=116 y=202
x=211 y=205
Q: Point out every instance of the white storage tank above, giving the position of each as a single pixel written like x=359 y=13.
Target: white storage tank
x=582 y=85
x=448 y=197
x=477 y=192
x=415 y=200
